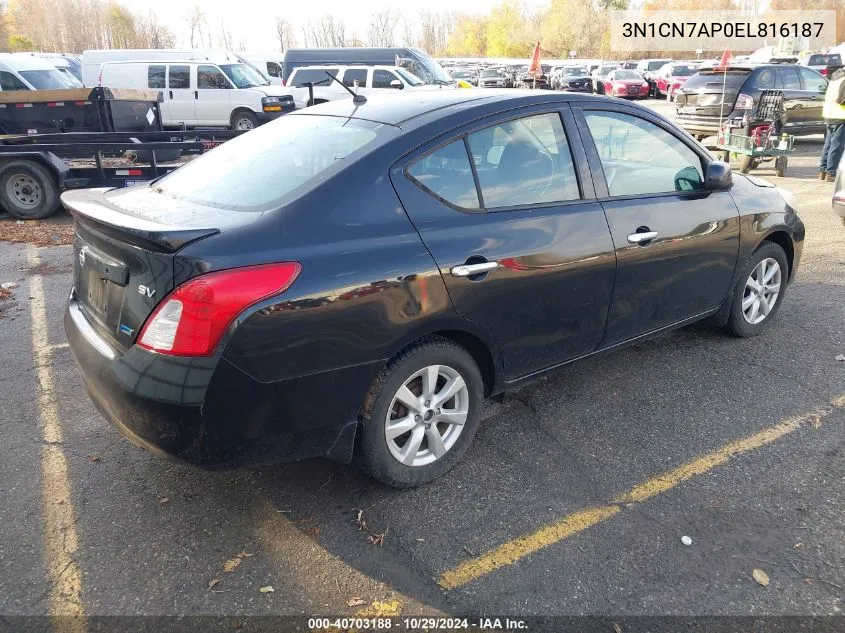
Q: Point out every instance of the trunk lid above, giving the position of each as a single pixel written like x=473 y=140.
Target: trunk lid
x=710 y=93
x=124 y=253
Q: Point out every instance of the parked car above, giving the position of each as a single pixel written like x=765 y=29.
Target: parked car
x=600 y=74
x=270 y=66
x=493 y=78
x=93 y=60
x=648 y=68
x=839 y=191
x=462 y=74
x=573 y=79
x=713 y=95
x=27 y=72
x=672 y=76
x=629 y=65
x=414 y=60
x=365 y=80
x=203 y=93
x=68 y=65
x=332 y=284
x=825 y=65
x=628 y=84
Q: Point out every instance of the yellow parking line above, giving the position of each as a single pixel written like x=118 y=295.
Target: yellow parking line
x=515 y=550
x=60 y=538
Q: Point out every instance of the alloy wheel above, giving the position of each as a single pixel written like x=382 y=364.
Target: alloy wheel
x=427 y=415
x=762 y=290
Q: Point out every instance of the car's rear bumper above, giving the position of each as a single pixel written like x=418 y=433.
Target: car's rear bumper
x=208 y=413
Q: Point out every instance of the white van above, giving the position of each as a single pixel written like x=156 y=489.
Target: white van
x=202 y=93
x=268 y=65
x=92 y=60
x=26 y=72
x=363 y=79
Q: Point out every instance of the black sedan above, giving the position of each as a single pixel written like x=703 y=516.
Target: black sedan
x=352 y=280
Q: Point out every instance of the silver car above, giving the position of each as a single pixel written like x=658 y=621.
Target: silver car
x=839 y=191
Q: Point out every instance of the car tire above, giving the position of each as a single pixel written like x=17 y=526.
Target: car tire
x=244 y=121
x=28 y=191
x=380 y=456
x=742 y=320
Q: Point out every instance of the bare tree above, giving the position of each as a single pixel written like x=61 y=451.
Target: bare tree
x=284 y=31
x=327 y=31
x=435 y=30
x=382 y=28
x=196 y=22
x=225 y=36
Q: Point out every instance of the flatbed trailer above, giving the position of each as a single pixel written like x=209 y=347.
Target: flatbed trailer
x=35 y=169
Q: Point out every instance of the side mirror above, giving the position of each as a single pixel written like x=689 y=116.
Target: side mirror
x=718 y=177
x=397 y=84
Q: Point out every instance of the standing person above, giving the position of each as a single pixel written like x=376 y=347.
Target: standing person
x=834 y=138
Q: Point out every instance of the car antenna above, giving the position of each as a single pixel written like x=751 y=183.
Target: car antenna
x=356 y=98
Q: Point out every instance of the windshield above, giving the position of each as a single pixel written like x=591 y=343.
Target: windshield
x=428 y=70
x=683 y=71
x=492 y=72
x=655 y=65
x=410 y=77
x=627 y=74
x=574 y=72
x=460 y=74
x=275 y=163
x=45 y=79
x=604 y=70
x=70 y=78
x=243 y=76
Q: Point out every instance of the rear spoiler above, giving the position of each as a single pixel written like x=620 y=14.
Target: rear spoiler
x=90 y=207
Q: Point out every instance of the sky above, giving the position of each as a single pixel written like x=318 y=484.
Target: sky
x=254 y=20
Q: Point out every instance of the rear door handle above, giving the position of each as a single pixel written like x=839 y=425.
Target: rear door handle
x=171 y=94
x=467 y=270
x=641 y=238
x=196 y=94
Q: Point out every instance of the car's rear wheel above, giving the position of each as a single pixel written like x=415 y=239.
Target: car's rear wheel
x=759 y=292
x=421 y=414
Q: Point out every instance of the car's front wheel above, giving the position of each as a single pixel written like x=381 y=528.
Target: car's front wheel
x=421 y=414
x=760 y=291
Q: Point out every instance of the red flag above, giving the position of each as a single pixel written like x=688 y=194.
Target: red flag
x=534 y=68
x=726 y=60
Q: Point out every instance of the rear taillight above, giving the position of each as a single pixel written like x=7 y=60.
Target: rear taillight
x=824 y=71
x=744 y=102
x=192 y=319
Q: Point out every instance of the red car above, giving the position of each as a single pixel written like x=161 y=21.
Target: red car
x=672 y=76
x=628 y=84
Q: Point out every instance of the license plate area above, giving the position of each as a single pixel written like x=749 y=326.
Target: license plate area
x=687 y=110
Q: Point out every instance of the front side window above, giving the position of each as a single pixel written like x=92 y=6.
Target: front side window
x=180 y=77
x=210 y=77
x=523 y=162
x=639 y=157
x=447 y=173
x=8 y=81
x=355 y=74
x=155 y=75
x=382 y=78
x=813 y=81
x=45 y=79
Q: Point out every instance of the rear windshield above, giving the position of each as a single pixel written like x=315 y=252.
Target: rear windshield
x=713 y=80
x=656 y=65
x=627 y=74
x=683 y=71
x=825 y=60
x=275 y=163
x=493 y=72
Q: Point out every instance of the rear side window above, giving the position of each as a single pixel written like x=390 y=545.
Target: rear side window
x=789 y=78
x=273 y=69
x=353 y=75
x=8 y=81
x=523 y=162
x=447 y=173
x=765 y=79
x=639 y=157
x=309 y=75
x=180 y=77
x=155 y=75
x=382 y=78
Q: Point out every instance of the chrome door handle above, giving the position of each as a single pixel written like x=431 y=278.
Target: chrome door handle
x=467 y=270
x=639 y=238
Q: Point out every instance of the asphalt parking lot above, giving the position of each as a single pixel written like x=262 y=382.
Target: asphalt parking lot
x=573 y=499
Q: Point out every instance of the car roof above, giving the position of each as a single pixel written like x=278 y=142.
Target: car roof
x=414 y=108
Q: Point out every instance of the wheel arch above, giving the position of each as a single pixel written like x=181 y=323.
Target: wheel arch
x=240 y=110
x=782 y=239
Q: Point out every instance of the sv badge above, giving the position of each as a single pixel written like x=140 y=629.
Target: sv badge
x=147 y=292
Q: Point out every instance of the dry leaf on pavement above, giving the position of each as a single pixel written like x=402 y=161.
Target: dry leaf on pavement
x=213 y=583
x=93 y=458
x=617 y=628
x=267 y=589
x=355 y=602
x=163 y=500
x=243 y=554
x=760 y=577
x=232 y=564
x=377 y=539
x=359 y=520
